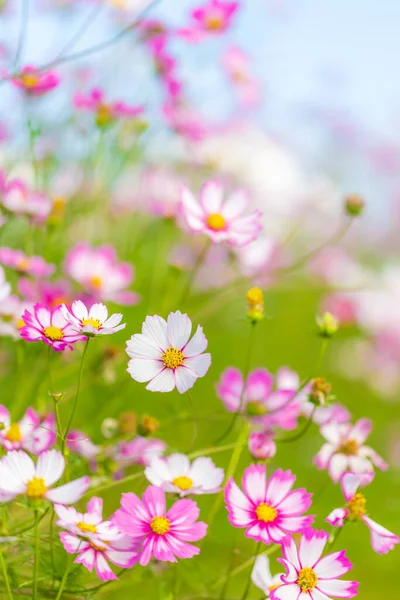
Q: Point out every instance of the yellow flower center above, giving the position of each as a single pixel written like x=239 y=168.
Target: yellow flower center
x=216 y=222
x=349 y=448
x=183 y=483
x=172 y=358
x=14 y=433
x=356 y=506
x=22 y=264
x=86 y=527
x=98 y=548
x=266 y=513
x=96 y=281
x=214 y=22
x=255 y=409
x=307 y=579
x=53 y=333
x=20 y=323
x=93 y=322
x=30 y=80
x=36 y=488
x=160 y=525
x=104 y=115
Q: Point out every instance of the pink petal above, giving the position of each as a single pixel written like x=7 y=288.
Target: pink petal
x=332 y=566
x=254 y=483
x=338 y=588
x=279 y=485
x=311 y=546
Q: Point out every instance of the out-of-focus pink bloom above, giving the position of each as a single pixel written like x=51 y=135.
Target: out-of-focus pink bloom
x=5 y=287
x=382 y=540
x=334 y=264
x=260 y=259
x=345 y=450
x=49 y=326
x=96 y=541
x=20 y=200
x=106 y=113
x=35 y=82
x=322 y=415
x=262 y=445
x=28 y=265
x=159 y=189
x=185 y=120
x=4 y=133
x=165 y=534
x=220 y=221
x=214 y=18
x=257 y=398
x=30 y=433
x=151 y=29
x=100 y=273
x=11 y=309
x=49 y=293
x=268 y=509
x=342 y=306
x=139 y=451
x=237 y=65
x=81 y=444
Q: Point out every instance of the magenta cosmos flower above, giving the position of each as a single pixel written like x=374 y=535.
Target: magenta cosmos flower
x=105 y=112
x=49 y=326
x=268 y=509
x=28 y=265
x=163 y=355
x=344 y=450
x=20 y=475
x=165 y=534
x=92 y=321
x=382 y=540
x=257 y=398
x=30 y=433
x=309 y=575
x=213 y=18
x=220 y=221
x=35 y=82
x=95 y=541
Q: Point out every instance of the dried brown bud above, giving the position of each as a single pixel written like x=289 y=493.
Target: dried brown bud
x=127 y=423
x=354 y=205
x=148 y=425
x=320 y=391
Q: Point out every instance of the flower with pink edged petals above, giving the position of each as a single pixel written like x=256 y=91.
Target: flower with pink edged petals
x=105 y=112
x=345 y=450
x=264 y=405
x=20 y=475
x=309 y=575
x=20 y=200
x=165 y=534
x=211 y=19
x=220 y=221
x=35 y=82
x=93 y=321
x=96 y=541
x=30 y=433
x=268 y=509
x=382 y=539
x=237 y=66
x=49 y=326
x=261 y=445
x=261 y=575
x=28 y=265
x=163 y=355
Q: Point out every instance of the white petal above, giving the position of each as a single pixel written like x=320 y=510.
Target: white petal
x=179 y=327
x=79 y=310
x=142 y=369
x=98 y=311
x=199 y=364
x=163 y=382
x=155 y=328
x=178 y=465
x=235 y=205
x=69 y=493
x=50 y=466
x=197 y=344
x=261 y=574
x=185 y=379
x=211 y=197
x=141 y=346
x=17 y=468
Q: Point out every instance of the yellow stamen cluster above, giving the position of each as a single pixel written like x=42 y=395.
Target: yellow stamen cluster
x=255 y=409
x=356 y=507
x=255 y=304
x=148 y=425
x=307 y=579
x=216 y=222
x=104 y=115
x=29 y=80
x=320 y=391
x=23 y=264
x=36 y=488
x=160 y=525
x=86 y=527
x=349 y=448
x=172 y=358
x=214 y=22
x=14 y=433
x=53 y=333
x=96 y=281
x=93 y=322
x=183 y=483
x=266 y=513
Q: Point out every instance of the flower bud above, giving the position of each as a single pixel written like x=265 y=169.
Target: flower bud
x=148 y=425
x=327 y=325
x=354 y=205
x=109 y=428
x=255 y=304
x=320 y=391
x=127 y=423
x=56 y=396
x=261 y=445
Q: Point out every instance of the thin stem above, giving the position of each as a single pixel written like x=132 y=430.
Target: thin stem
x=195 y=430
x=246 y=589
x=5 y=575
x=244 y=566
x=334 y=536
x=53 y=566
x=22 y=32
x=299 y=435
x=199 y=261
x=76 y=396
x=36 y=560
x=81 y=30
x=64 y=579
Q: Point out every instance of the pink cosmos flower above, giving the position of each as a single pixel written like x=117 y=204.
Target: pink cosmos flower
x=35 y=82
x=49 y=326
x=96 y=541
x=184 y=118
x=139 y=451
x=29 y=265
x=151 y=29
x=30 y=433
x=165 y=534
x=220 y=221
x=49 y=293
x=93 y=321
x=163 y=355
x=20 y=200
x=261 y=575
x=382 y=539
x=236 y=64
x=345 y=451
x=20 y=475
x=259 y=400
x=211 y=19
x=309 y=575
x=5 y=287
x=100 y=273
x=261 y=445
x=79 y=443
x=268 y=509
x=106 y=113
x=175 y=474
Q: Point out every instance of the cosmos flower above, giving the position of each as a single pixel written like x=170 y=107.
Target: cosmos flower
x=261 y=575
x=93 y=321
x=95 y=541
x=345 y=450
x=20 y=200
x=220 y=221
x=214 y=18
x=100 y=273
x=261 y=445
x=28 y=265
x=382 y=540
x=30 y=433
x=5 y=287
x=79 y=443
x=49 y=326
x=140 y=451
x=35 y=82
x=163 y=355
x=310 y=575
x=268 y=509
x=105 y=112
x=237 y=67
x=165 y=534
x=20 y=475
x=175 y=474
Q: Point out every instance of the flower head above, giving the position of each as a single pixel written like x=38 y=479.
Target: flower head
x=79 y=443
x=106 y=113
x=175 y=474
x=28 y=265
x=165 y=534
x=93 y=321
x=163 y=355
x=261 y=445
x=139 y=451
x=268 y=509
x=20 y=200
x=49 y=326
x=309 y=575
x=261 y=575
x=35 y=82
x=220 y=221
x=211 y=19
x=30 y=433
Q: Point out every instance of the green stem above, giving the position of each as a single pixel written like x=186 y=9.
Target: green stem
x=5 y=575
x=36 y=560
x=199 y=261
x=64 y=579
x=299 y=435
x=76 y=397
x=53 y=566
x=246 y=589
x=194 y=436
x=244 y=566
x=334 y=536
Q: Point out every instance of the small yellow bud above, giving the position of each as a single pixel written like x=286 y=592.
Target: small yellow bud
x=327 y=325
x=255 y=305
x=148 y=425
x=354 y=205
x=320 y=391
x=127 y=423
x=56 y=396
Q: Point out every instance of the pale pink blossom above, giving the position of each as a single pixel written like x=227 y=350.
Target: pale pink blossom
x=35 y=82
x=261 y=445
x=79 y=443
x=28 y=265
x=105 y=112
x=20 y=200
x=237 y=66
x=92 y=321
x=30 y=433
x=213 y=18
x=140 y=451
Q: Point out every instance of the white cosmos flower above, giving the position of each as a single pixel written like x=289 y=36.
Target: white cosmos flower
x=163 y=355
x=93 y=321
x=175 y=474
x=261 y=575
x=20 y=475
